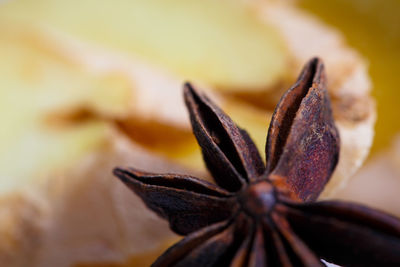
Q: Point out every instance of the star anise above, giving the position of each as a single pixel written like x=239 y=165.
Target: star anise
x=261 y=215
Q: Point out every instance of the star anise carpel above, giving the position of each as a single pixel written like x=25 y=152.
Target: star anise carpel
x=266 y=215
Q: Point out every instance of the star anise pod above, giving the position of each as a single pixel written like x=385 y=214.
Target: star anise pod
x=261 y=215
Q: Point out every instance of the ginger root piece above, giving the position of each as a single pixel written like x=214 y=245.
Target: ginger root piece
x=22 y=223
x=39 y=85
x=377 y=183
x=220 y=42
x=93 y=217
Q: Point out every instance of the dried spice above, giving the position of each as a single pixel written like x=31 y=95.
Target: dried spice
x=261 y=215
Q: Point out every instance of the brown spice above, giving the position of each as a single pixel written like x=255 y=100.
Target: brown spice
x=261 y=215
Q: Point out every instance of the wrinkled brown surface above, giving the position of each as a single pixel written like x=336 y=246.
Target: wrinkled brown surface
x=200 y=203
x=221 y=140
x=303 y=141
x=266 y=216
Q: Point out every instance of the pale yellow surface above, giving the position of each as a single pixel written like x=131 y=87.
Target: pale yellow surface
x=219 y=42
x=37 y=84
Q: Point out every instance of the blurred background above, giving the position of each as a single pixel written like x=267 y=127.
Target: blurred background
x=88 y=85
